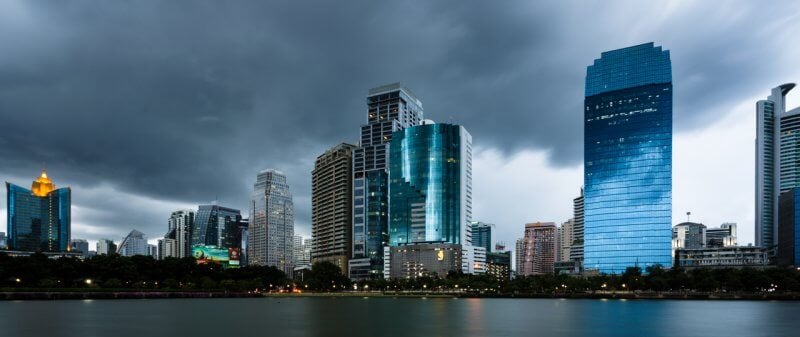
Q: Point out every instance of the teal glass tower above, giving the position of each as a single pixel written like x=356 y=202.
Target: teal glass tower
x=39 y=218
x=628 y=160
x=430 y=185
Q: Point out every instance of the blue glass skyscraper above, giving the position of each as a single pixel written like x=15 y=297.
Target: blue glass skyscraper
x=628 y=160
x=430 y=185
x=39 y=218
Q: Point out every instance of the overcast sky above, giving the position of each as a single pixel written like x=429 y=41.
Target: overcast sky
x=145 y=107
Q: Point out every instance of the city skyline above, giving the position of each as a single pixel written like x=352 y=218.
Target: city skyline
x=713 y=114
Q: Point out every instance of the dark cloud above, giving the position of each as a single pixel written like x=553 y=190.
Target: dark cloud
x=185 y=102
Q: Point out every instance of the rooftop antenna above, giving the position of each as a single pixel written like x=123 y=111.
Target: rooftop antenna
x=688 y=215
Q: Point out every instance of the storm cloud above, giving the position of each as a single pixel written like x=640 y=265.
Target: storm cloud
x=148 y=106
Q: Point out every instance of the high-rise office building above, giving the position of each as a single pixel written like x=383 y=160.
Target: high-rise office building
x=789 y=228
x=519 y=253
x=215 y=225
x=332 y=206
x=538 y=249
x=576 y=248
x=566 y=236
x=482 y=235
x=179 y=228
x=302 y=251
x=39 y=218
x=628 y=160
x=777 y=167
x=79 y=245
x=2 y=240
x=152 y=250
x=133 y=244
x=106 y=246
x=271 y=229
x=390 y=108
x=430 y=185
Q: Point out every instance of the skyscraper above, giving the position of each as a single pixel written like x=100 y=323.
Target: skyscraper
x=390 y=108
x=271 y=228
x=133 y=244
x=519 y=254
x=179 y=228
x=538 y=249
x=215 y=225
x=302 y=252
x=167 y=247
x=430 y=185
x=566 y=236
x=628 y=160
x=39 y=218
x=788 y=253
x=332 y=206
x=482 y=234
x=576 y=248
x=79 y=245
x=777 y=168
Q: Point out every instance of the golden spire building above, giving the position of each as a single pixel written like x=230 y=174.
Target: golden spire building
x=39 y=218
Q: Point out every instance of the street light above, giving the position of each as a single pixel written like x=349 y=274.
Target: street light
x=88 y=281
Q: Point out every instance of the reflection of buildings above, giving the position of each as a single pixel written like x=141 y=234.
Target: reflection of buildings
x=271 y=228
x=39 y=218
x=332 y=206
x=133 y=244
x=538 y=249
x=430 y=194
x=628 y=160
x=777 y=167
x=390 y=108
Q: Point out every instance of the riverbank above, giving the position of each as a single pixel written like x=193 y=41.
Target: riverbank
x=111 y=295
x=598 y=295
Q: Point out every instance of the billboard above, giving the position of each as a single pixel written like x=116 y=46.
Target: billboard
x=227 y=257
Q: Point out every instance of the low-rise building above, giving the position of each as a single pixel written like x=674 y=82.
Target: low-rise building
x=498 y=265
x=725 y=257
x=425 y=259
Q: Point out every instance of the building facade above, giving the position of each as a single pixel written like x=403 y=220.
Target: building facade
x=79 y=245
x=39 y=219
x=482 y=234
x=726 y=257
x=777 y=168
x=689 y=235
x=788 y=228
x=434 y=259
x=302 y=252
x=566 y=236
x=271 y=228
x=2 y=240
x=332 y=206
x=628 y=160
x=390 y=108
x=519 y=255
x=167 y=248
x=106 y=246
x=724 y=236
x=498 y=265
x=216 y=225
x=180 y=226
x=576 y=248
x=133 y=244
x=539 y=249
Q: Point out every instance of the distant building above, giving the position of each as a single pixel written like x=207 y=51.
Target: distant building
x=79 y=245
x=726 y=257
x=179 y=228
x=689 y=235
x=434 y=259
x=39 y=218
x=777 y=167
x=628 y=160
x=519 y=255
x=390 y=108
x=789 y=228
x=302 y=252
x=576 y=248
x=539 y=249
x=498 y=265
x=332 y=206
x=271 y=228
x=482 y=234
x=167 y=248
x=724 y=236
x=152 y=250
x=2 y=240
x=133 y=244
x=105 y=247
x=566 y=236
x=215 y=225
